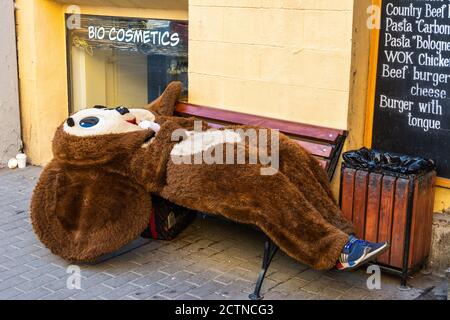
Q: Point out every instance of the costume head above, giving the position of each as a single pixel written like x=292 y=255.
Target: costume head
x=101 y=120
x=84 y=204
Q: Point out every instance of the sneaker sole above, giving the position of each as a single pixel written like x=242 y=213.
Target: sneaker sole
x=367 y=258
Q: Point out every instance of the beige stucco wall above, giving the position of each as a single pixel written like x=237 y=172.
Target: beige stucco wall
x=42 y=74
x=356 y=111
x=9 y=97
x=279 y=58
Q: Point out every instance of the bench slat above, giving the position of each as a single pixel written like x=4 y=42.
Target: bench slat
x=317 y=149
x=324 y=163
x=292 y=128
x=324 y=143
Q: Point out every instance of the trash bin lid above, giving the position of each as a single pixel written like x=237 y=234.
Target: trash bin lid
x=379 y=161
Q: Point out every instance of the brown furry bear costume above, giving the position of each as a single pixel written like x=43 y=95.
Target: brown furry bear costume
x=95 y=195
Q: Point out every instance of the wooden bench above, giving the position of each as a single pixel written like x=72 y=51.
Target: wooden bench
x=324 y=143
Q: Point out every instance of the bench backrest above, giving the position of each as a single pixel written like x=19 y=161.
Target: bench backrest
x=324 y=143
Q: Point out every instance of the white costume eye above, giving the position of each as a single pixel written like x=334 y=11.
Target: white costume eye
x=89 y=122
x=98 y=121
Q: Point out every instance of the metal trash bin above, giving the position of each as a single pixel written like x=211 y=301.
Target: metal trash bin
x=389 y=197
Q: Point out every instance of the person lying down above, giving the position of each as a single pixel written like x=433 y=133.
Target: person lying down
x=95 y=195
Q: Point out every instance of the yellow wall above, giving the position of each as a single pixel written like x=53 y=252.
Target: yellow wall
x=442 y=200
x=356 y=111
x=42 y=74
x=282 y=59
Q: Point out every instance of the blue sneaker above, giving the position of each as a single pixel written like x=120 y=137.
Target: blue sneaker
x=357 y=252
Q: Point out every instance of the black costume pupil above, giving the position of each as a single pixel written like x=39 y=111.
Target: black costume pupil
x=122 y=110
x=89 y=122
x=70 y=122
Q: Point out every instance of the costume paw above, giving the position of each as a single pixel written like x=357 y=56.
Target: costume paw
x=149 y=125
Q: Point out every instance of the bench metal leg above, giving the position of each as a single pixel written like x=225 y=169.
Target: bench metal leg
x=270 y=249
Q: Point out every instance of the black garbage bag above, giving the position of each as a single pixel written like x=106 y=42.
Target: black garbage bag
x=374 y=160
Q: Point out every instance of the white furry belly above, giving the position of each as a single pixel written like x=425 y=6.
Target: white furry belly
x=197 y=142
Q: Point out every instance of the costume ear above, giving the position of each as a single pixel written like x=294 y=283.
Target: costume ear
x=165 y=104
x=81 y=214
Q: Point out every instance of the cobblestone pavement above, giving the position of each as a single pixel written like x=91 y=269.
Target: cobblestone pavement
x=211 y=259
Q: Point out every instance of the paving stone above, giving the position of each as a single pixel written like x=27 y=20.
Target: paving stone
x=269 y=284
x=56 y=284
x=279 y=276
x=355 y=278
x=10 y=293
x=187 y=296
x=176 y=278
x=174 y=267
x=150 y=267
x=35 y=294
x=95 y=280
x=11 y=282
x=148 y=291
x=197 y=267
x=120 y=292
x=206 y=289
x=32 y=274
x=175 y=245
x=239 y=286
x=151 y=246
x=24 y=243
x=309 y=275
x=120 y=268
x=158 y=297
x=319 y=285
x=329 y=294
x=225 y=278
x=116 y=282
x=18 y=252
x=150 y=279
x=62 y=294
x=92 y=292
x=35 y=283
x=275 y=295
x=177 y=290
x=215 y=265
x=354 y=293
x=289 y=286
x=9 y=263
x=301 y=295
x=42 y=252
x=60 y=273
x=204 y=276
x=16 y=271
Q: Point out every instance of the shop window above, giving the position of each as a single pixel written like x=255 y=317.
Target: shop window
x=116 y=61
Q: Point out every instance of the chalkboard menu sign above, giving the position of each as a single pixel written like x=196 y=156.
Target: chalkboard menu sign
x=412 y=104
